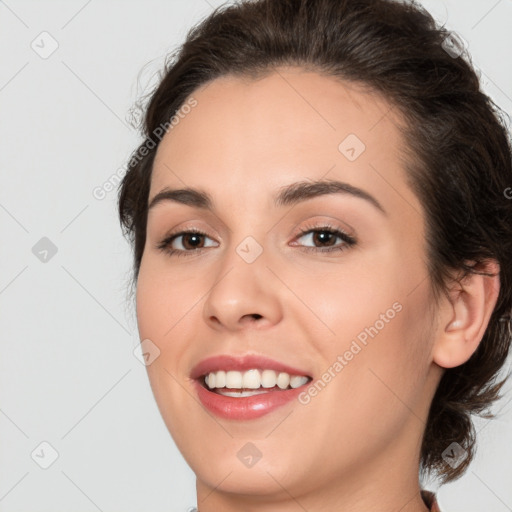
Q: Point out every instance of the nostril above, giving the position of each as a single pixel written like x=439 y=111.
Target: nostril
x=252 y=316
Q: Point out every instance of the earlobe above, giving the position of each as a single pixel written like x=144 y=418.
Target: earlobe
x=465 y=316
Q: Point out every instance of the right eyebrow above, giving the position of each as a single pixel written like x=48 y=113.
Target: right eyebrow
x=187 y=196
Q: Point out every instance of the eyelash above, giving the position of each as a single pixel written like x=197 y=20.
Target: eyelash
x=348 y=240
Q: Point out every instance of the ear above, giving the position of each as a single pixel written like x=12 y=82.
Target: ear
x=464 y=317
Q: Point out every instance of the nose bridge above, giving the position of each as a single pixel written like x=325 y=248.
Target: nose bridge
x=243 y=286
x=248 y=232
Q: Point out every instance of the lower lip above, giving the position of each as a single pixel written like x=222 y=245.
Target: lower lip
x=245 y=408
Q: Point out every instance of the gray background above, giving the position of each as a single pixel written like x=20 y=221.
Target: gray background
x=68 y=374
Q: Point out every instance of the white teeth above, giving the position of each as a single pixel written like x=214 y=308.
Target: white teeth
x=283 y=379
x=297 y=381
x=240 y=394
x=233 y=380
x=220 y=379
x=252 y=379
x=268 y=378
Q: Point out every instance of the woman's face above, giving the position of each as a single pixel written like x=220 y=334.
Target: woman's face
x=349 y=312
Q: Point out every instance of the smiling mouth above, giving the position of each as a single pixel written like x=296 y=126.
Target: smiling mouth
x=251 y=382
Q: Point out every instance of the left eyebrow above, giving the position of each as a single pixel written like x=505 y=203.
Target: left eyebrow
x=286 y=196
x=303 y=190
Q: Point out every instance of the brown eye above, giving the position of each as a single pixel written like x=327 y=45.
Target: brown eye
x=192 y=240
x=324 y=238
x=184 y=242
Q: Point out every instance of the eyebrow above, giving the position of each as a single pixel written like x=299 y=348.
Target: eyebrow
x=288 y=195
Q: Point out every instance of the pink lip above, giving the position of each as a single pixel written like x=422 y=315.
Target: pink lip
x=245 y=408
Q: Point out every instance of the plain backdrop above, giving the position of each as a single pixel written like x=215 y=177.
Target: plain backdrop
x=74 y=396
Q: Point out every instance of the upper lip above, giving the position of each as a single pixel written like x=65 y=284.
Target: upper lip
x=241 y=363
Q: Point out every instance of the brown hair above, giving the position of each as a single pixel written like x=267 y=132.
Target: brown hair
x=459 y=164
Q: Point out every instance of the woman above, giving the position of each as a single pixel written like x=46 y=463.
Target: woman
x=321 y=254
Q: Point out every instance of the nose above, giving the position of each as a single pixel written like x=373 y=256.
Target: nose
x=243 y=295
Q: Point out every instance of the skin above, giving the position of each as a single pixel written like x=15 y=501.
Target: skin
x=355 y=446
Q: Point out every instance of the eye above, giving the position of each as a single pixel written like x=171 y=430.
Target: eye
x=326 y=236
x=191 y=241
x=185 y=243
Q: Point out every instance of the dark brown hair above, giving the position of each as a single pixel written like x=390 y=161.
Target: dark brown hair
x=459 y=163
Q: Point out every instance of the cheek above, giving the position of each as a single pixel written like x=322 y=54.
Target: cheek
x=375 y=346
x=165 y=315
x=161 y=301
x=370 y=389
x=348 y=298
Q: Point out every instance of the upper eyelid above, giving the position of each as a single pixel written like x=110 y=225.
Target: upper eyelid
x=334 y=224
x=301 y=231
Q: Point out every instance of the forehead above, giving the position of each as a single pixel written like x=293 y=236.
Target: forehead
x=264 y=133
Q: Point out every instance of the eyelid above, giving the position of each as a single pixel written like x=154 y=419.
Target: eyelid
x=327 y=223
